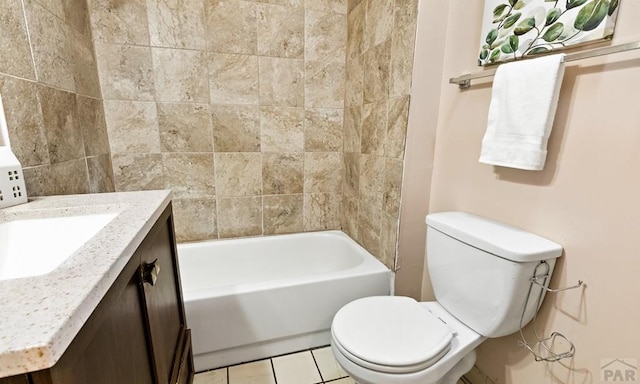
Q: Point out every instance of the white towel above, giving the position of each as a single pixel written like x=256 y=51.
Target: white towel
x=523 y=106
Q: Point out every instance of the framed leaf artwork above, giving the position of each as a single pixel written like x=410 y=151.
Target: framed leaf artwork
x=513 y=29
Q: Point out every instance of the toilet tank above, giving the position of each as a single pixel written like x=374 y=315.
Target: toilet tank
x=480 y=270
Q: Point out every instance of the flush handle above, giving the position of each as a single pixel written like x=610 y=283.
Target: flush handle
x=150 y=272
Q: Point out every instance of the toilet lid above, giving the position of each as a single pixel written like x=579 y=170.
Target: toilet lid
x=391 y=332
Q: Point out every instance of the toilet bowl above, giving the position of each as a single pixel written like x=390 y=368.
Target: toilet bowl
x=480 y=272
x=426 y=365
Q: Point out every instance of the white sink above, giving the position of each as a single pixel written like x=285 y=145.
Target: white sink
x=36 y=247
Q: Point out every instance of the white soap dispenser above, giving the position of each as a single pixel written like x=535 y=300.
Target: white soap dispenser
x=12 y=188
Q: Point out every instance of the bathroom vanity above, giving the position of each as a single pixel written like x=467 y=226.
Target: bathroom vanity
x=112 y=312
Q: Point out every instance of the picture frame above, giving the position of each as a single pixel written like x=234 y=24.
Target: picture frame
x=516 y=29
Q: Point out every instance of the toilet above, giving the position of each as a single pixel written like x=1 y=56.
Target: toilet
x=481 y=273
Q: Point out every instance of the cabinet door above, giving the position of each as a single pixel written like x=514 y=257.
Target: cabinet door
x=163 y=301
x=112 y=345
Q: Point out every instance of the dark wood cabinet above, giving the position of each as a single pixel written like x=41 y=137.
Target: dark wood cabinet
x=138 y=332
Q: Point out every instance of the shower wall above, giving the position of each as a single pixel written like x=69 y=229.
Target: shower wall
x=51 y=96
x=380 y=46
x=237 y=106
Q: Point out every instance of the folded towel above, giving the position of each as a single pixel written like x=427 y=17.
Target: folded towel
x=523 y=106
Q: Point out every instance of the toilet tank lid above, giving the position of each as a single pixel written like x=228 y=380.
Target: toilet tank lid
x=494 y=237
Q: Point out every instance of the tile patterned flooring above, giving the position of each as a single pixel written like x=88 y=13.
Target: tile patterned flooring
x=316 y=366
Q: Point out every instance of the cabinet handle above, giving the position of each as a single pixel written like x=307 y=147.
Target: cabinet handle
x=150 y=272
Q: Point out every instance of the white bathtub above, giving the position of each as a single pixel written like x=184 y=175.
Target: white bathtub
x=252 y=298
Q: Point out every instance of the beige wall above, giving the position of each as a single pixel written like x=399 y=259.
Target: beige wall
x=51 y=95
x=380 y=45
x=585 y=199
x=421 y=136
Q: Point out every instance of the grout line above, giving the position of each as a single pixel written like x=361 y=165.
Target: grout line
x=273 y=370
x=317 y=366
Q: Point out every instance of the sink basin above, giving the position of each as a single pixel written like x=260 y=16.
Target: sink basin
x=34 y=247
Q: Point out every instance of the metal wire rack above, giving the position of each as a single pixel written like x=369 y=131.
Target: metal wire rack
x=543 y=347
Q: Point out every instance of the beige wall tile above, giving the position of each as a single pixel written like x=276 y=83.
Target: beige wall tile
x=137 y=172
x=397 y=127
x=282 y=173
x=189 y=175
x=49 y=38
x=351 y=4
x=401 y=66
x=325 y=36
x=280 y=31
x=376 y=73
x=132 y=126
x=239 y=216
x=374 y=128
x=288 y=3
x=282 y=129
x=236 y=128
x=369 y=225
x=85 y=67
x=76 y=14
x=391 y=187
x=281 y=82
x=323 y=130
x=100 y=174
x=38 y=180
x=351 y=174
x=354 y=89
x=349 y=216
x=118 y=21
x=70 y=177
x=405 y=14
x=24 y=121
x=62 y=131
x=126 y=72
x=54 y=6
x=378 y=23
x=353 y=129
x=180 y=75
x=282 y=214
x=92 y=125
x=388 y=240
x=321 y=211
x=16 y=56
x=322 y=172
x=231 y=26
x=371 y=176
x=337 y=6
x=324 y=84
x=238 y=174
x=185 y=127
x=176 y=24
x=233 y=79
x=355 y=31
x=195 y=219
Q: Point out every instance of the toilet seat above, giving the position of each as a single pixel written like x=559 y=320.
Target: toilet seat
x=390 y=334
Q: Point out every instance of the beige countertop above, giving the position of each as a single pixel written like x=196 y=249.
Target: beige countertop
x=40 y=315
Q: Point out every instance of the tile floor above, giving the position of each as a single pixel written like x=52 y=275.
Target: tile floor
x=316 y=366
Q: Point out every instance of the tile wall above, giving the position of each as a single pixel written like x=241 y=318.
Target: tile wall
x=235 y=105
x=379 y=53
x=247 y=110
x=51 y=94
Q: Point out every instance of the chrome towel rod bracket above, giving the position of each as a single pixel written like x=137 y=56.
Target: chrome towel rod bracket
x=464 y=81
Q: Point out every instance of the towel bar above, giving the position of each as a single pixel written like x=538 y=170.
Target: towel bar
x=464 y=81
